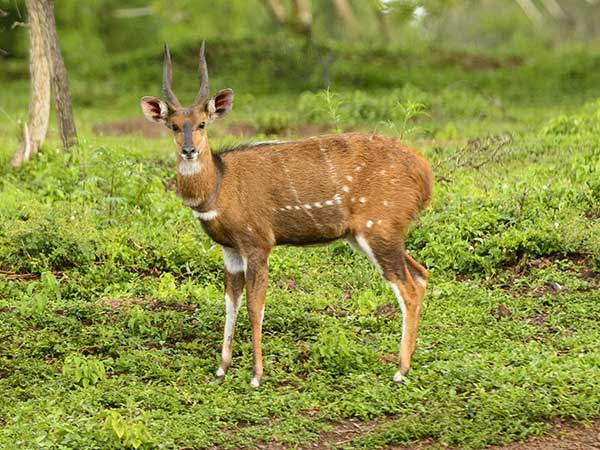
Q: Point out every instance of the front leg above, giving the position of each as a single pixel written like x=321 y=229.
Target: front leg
x=257 y=275
x=234 y=287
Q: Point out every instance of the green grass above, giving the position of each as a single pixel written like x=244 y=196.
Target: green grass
x=111 y=304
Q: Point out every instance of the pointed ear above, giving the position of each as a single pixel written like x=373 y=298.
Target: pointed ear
x=218 y=106
x=155 y=109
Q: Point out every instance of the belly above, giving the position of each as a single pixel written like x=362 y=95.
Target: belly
x=308 y=227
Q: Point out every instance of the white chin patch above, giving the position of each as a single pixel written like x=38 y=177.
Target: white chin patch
x=191 y=167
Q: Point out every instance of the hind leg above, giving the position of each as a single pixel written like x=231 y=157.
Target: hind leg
x=407 y=279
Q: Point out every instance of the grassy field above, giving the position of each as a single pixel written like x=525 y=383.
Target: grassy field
x=111 y=304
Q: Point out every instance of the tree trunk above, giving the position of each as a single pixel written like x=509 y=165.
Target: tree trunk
x=60 y=82
x=344 y=11
x=35 y=129
x=277 y=10
x=304 y=19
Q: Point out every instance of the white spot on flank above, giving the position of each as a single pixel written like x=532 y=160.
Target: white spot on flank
x=352 y=199
x=234 y=262
x=318 y=205
x=358 y=168
x=382 y=172
x=307 y=206
x=349 y=177
x=329 y=202
x=208 y=215
x=364 y=246
x=297 y=207
x=345 y=189
x=386 y=203
x=288 y=207
x=379 y=222
x=187 y=168
x=369 y=223
x=249 y=228
x=254 y=382
x=362 y=200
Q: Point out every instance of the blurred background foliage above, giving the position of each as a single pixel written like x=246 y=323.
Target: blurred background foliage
x=103 y=39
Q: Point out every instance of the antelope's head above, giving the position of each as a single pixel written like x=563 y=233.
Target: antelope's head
x=188 y=124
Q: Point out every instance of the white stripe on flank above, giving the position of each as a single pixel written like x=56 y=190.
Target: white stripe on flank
x=234 y=262
x=208 y=215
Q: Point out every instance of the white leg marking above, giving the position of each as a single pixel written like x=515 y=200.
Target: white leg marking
x=254 y=383
x=208 y=215
x=364 y=246
x=231 y=313
x=187 y=168
x=398 y=375
x=402 y=306
x=234 y=262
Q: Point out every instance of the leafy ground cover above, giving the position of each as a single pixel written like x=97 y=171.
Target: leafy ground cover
x=111 y=309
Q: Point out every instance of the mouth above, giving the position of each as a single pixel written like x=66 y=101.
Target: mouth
x=192 y=157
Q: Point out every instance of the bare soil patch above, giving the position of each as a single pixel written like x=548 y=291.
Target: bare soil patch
x=563 y=436
x=472 y=62
x=139 y=126
x=582 y=268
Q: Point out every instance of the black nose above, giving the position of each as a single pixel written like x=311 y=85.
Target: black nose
x=188 y=151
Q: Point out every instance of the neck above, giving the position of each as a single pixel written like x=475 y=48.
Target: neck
x=198 y=181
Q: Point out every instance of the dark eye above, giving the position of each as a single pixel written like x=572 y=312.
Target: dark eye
x=202 y=125
x=175 y=128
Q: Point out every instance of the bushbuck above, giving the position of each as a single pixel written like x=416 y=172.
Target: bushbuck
x=364 y=188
